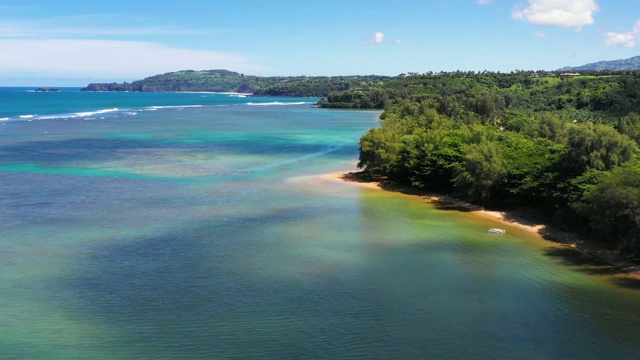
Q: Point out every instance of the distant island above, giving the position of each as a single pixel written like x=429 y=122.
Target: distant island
x=229 y=81
x=632 y=63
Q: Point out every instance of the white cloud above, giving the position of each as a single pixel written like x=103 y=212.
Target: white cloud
x=628 y=39
x=100 y=46
x=378 y=38
x=109 y=58
x=565 y=13
x=484 y=2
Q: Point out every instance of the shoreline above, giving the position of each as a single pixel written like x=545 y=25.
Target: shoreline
x=611 y=262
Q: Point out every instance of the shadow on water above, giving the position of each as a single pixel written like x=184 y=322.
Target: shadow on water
x=184 y=254
x=447 y=206
x=219 y=287
x=573 y=257
x=593 y=266
x=627 y=282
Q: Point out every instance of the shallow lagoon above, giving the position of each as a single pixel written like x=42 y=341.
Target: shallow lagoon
x=203 y=232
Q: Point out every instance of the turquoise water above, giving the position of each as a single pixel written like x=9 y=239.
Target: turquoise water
x=183 y=226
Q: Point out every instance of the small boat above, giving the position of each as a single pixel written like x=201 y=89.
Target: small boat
x=497 y=231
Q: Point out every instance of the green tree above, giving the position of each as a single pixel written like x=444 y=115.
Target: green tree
x=428 y=159
x=630 y=126
x=598 y=147
x=482 y=171
x=532 y=168
x=548 y=126
x=378 y=150
x=612 y=207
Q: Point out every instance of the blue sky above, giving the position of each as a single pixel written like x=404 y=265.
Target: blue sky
x=69 y=42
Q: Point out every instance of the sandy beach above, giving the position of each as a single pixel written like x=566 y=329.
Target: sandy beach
x=613 y=261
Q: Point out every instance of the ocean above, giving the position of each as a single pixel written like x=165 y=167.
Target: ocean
x=199 y=226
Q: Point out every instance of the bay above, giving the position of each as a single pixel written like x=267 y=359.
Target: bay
x=196 y=226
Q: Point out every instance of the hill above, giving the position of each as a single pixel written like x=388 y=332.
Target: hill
x=229 y=81
x=632 y=63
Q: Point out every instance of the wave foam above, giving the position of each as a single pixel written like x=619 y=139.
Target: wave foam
x=95 y=113
x=83 y=114
x=91 y=113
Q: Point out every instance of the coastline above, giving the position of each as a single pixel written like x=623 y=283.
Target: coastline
x=609 y=262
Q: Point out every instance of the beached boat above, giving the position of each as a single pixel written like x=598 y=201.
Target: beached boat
x=497 y=231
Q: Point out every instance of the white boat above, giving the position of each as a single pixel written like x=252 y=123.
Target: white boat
x=497 y=231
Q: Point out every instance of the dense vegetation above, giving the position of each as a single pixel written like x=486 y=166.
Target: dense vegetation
x=567 y=146
x=228 y=81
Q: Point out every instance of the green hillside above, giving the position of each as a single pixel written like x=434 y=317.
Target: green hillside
x=229 y=81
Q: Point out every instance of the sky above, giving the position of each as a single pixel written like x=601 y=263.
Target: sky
x=74 y=42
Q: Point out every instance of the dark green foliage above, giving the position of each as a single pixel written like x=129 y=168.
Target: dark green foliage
x=597 y=147
x=378 y=150
x=630 y=126
x=356 y=99
x=547 y=126
x=532 y=169
x=430 y=154
x=612 y=207
x=482 y=172
x=489 y=105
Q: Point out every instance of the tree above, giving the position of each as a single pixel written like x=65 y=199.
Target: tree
x=630 y=126
x=428 y=159
x=612 y=207
x=549 y=126
x=378 y=150
x=483 y=169
x=531 y=165
x=598 y=147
